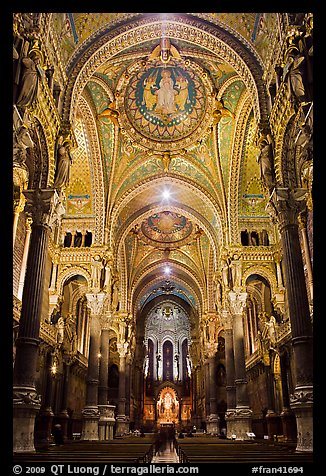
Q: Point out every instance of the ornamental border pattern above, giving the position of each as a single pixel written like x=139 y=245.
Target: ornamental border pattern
x=182 y=28
x=97 y=167
x=234 y=171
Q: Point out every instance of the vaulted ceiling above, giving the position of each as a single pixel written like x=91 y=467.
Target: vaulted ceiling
x=165 y=108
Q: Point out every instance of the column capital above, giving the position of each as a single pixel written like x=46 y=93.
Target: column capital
x=237 y=302
x=285 y=205
x=226 y=319
x=95 y=301
x=210 y=349
x=122 y=349
x=43 y=206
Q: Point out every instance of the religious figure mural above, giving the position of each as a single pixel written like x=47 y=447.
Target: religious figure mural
x=165 y=102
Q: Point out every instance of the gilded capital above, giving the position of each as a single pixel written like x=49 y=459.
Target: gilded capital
x=40 y=205
x=286 y=204
x=226 y=319
x=96 y=303
x=237 y=302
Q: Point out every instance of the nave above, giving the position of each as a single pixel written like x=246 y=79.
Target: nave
x=196 y=450
x=163 y=234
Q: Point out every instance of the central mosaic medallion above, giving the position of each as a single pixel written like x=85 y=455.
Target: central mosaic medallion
x=165 y=104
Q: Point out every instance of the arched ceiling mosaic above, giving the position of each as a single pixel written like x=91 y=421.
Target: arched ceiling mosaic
x=165 y=108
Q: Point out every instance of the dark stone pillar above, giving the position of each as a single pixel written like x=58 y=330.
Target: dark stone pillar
x=122 y=421
x=287 y=415
x=63 y=415
x=91 y=411
x=230 y=372
x=243 y=414
x=39 y=205
x=271 y=416
x=212 y=417
x=104 y=368
x=105 y=429
x=285 y=206
x=46 y=414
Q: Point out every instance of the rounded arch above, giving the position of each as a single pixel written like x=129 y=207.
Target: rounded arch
x=263 y=271
x=140 y=285
x=96 y=167
x=186 y=186
x=235 y=163
x=69 y=273
x=180 y=27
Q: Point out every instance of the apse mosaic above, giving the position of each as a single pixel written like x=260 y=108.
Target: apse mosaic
x=166 y=227
x=165 y=103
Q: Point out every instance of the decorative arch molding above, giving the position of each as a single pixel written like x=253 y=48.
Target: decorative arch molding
x=166 y=385
x=234 y=174
x=263 y=271
x=68 y=273
x=41 y=156
x=285 y=165
x=191 y=214
x=96 y=167
x=137 y=290
x=105 y=44
x=101 y=82
x=164 y=298
x=149 y=155
x=157 y=181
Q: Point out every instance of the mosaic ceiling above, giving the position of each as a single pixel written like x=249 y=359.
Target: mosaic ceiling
x=166 y=114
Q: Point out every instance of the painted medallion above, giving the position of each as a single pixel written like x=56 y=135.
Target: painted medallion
x=166 y=227
x=165 y=103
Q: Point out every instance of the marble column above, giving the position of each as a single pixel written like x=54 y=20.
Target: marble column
x=230 y=374
x=271 y=416
x=63 y=415
x=95 y=302
x=206 y=387
x=46 y=413
x=302 y=220
x=122 y=420
x=24 y=260
x=287 y=415
x=104 y=368
x=106 y=420
x=285 y=205
x=243 y=414
x=212 y=417
x=26 y=401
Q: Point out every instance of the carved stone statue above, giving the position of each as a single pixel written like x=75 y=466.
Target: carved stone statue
x=293 y=71
x=22 y=141
x=64 y=160
x=272 y=330
x=97 y=266
x=29 y=81
x=265 y=160
x=61 y=329
x=115 y=294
